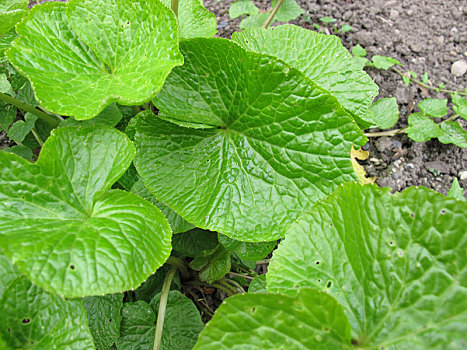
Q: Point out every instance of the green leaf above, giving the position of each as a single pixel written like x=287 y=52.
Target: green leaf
x=456 y=191
x=453 y=133
x=433 y=107
x=182 y=324
x=276 y=143
x=385 y=112
x=258 y=285
x=242 y=7
x=421 y=128
x=110 y=116
x=177 y=223
x=322 y=58
x=413 y=74
x=5 y=42
x=254 y=21
x=358 y=51
x=247 y=250
x=20 y=129
x=194 y=19
x=195 y=243
x=65 y=230
x=8 y=273
x=361 y=62
x=34 y=319
x=7 y=115
x=131 y=48
x=425 y=78
x=20 y=150
x=11 y=12
x=214 y=266
x=103 y=313
x=327 y=20
x=288 y=11
x=406 y=80
x=460 y=105
x=310 y=320
x=346 y=28
x=383 y=62
x=154 y=283
x=129 y=178
x=396 y=263
x=5 y=86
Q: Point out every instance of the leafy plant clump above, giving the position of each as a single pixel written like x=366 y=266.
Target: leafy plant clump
x=153 y=168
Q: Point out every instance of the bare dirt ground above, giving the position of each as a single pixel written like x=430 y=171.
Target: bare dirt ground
x=424 y=35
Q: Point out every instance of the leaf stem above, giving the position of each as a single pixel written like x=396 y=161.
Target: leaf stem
x=174 y=7
x=236 y=285
x=162 y=307
x=37 y=137
x=28 y=108
x=421 y=83
x=240 y=275
x=224 y=287
x=272 y=14
x=180 y=264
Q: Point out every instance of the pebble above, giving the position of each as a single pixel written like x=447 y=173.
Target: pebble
x=394 y=15
x=416 y=47
x=463 y=175
x=459 y=68
x=364 y=38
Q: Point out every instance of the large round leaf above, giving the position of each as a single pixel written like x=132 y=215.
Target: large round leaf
x=64 y=230
x=194 y=19
x=396 y=263
x=98 y=52
x=34 y=319
x=272 y=144
x=322 y=58
x=310 y=320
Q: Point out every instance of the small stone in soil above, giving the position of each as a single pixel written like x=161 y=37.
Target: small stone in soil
x=459 y=68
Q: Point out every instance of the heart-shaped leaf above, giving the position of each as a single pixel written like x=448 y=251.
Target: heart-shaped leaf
x=194 y=19
x=34 y=319
x=322 y=58
x=396 y=263
x=103 y=52
x=65 y=230
x=308 y=321
x=273 y=142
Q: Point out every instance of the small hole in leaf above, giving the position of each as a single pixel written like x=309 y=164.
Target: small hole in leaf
x=72 y=267
x=329 y=284
x=319 y=281
x=443 y=211
x=9 y=330
x=412 y=215
x=317 y=263
x=391 y=242
x=354 y=342
x=110 y=320
x=253 y=310
x=26 y=320
x=22 y=197
x=207 y=160
x=127 y=22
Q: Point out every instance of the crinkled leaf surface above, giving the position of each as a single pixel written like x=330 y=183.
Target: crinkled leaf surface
x=194 y=19
x=434 y=107
x=110 y=116
x=103 y=313
x=20 y=129
x=258 y=285
x=288 y=11
x=385 y=112
x=195 y=242
x=34 y=319
x=11 y=12
x=384 y=62
x=20 y=150
x=272 y=143
x=396 y=263
x=421 y=128
x=177 y=223
x=8 y=273
x=310 y=320
x=460 y=105
x=97 y=52
x=64 y=230
x=214 y=266
x=452 y=132
x=321 y=57
x=242 y=7
x=182 y=324
x=247 y=250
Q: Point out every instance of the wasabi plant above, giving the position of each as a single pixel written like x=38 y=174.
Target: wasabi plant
x=155 y=165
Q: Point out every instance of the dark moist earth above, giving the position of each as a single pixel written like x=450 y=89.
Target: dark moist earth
x=425 y=36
